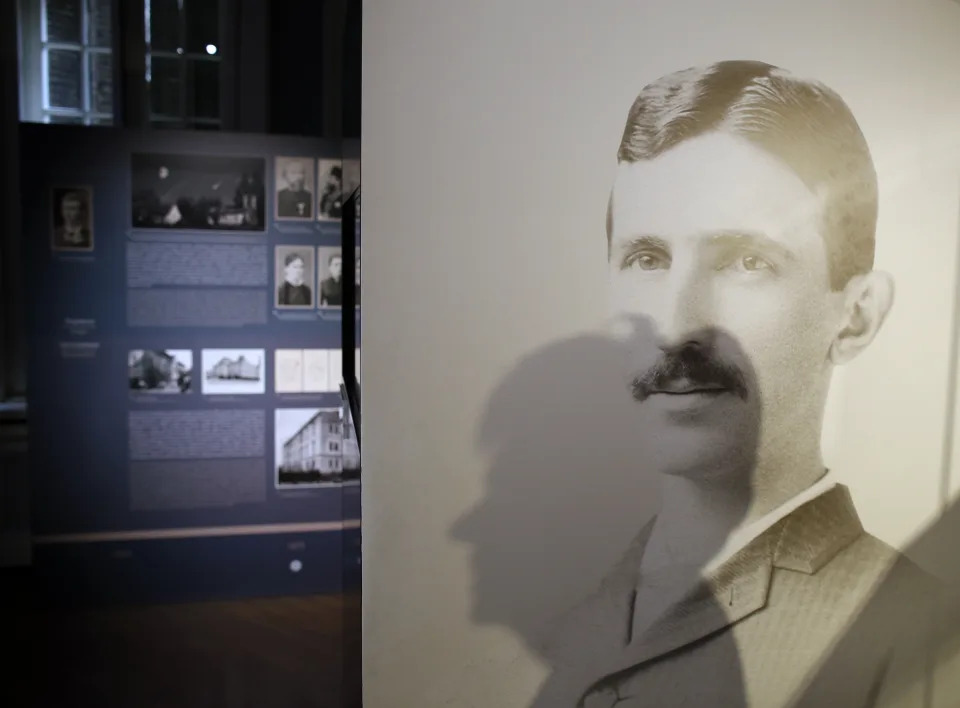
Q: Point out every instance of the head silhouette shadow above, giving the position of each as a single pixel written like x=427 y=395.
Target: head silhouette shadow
x=578 y=451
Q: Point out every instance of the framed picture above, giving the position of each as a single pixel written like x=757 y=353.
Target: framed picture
x=294 y=276
x=71 y=218
x=197 y=192
x=330 y=277
x=295 y=189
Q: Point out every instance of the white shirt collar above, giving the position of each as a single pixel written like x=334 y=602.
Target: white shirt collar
x=743 y=536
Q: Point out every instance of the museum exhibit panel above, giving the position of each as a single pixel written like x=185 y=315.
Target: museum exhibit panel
x=557 y=194
x=226 y=463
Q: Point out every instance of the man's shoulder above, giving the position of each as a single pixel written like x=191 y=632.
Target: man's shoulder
x=871 y=555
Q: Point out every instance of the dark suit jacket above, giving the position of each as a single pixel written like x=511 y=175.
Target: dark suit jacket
x=60 y=241
x=331 y=292
x=331 y=204
x=758 y=631
x=292 y=204
x=294 y=295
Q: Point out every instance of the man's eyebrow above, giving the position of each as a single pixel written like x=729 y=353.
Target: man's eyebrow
x=747 y=240
x=645 y=241
x=734 y=239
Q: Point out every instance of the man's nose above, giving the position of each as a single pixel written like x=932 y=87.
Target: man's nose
x=684 y=313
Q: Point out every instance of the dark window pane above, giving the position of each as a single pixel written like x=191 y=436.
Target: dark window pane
x=65 y=120
x=65 y=78
x=101 y=83
x=165 y=84
x=64 y=20
x=164 y=25
x=204 y=80
x=100 y=24
x=101 y=121
x=202 y=20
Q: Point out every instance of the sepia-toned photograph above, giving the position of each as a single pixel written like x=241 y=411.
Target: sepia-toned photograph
x=294 y=276
x=198 y=192
x=730 y=318
x=233 y=371
x=314 y=447
x=330 y=188
x=71 y=218
x=330 y=276
x=307 y=370
x=160 y=370
x=294 y=180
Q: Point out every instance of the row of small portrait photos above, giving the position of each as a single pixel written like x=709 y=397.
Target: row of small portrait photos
x=235 y=371
x=209 y=193
x=298 y=268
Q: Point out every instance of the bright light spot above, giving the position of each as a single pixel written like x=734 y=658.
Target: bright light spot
x=211 y=49
x=179 y=50
x=295 y=566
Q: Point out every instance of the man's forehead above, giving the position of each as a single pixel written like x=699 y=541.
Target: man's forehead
x=709 y=183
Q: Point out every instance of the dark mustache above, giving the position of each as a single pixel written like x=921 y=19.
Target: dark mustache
x=700 y=367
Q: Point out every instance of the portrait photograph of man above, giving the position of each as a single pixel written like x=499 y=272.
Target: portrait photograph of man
x=294 y=181
x=71 y=218
x=294 y=267
x=331 y=277
x=330 y=203
x=734 y=312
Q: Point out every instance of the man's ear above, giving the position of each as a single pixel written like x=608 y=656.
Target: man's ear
x=867 y=301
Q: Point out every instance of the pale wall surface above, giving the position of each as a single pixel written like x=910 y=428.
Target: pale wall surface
x=489 y=138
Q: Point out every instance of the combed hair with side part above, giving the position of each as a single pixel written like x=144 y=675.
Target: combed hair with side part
x=803 y=123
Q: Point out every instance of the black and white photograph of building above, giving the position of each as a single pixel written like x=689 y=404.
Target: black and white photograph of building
x=313 y=447
x=330 y=276
x=294 y=181
x=198 y=192
x=71 y=219
x=294 y=276
x=233 y=371
x=330 y=198
x=160 y=370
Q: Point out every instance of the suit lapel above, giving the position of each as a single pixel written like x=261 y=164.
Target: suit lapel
x=599 y=632
x=737 y=590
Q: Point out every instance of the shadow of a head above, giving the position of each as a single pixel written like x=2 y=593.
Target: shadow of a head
x=580 y=435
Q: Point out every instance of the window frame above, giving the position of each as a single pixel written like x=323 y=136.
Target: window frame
x=184 y=59
x=85 y=114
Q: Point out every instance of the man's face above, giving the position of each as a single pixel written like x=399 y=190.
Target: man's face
x=70 y=208
x=336 y=266
x=296 y=175
x=717 y=243
x=293 y=272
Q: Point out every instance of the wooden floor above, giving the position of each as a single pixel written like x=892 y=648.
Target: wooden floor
x=264 y=653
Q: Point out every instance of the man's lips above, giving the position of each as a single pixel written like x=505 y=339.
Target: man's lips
x=685 y=387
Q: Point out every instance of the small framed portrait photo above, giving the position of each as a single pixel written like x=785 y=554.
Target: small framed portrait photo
x=330 y=277
x=330 y=192
x=295 y=190
x=71 y=219
x=294 y=274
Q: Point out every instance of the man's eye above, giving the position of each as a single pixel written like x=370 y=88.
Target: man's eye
x=646 y=261
x=752 y=263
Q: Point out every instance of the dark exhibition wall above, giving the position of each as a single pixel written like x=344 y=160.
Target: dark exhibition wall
x=184 y=319
x=178 y=317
